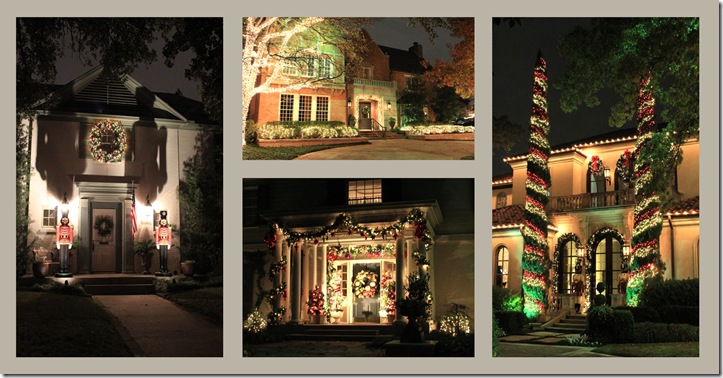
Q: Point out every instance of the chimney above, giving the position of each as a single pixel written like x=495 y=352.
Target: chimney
x=417 y=50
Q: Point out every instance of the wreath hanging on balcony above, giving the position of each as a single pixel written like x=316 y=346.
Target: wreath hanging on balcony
x=625 y=166
x=107 y=141
x=365 y=284
x=596 y=165
x=103 y=225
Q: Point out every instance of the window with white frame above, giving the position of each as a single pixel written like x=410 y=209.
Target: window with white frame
x=503 y=266
x=325 y=68
x=49 y=217
x=297 y=107
x=308 y=66
x=365 y=191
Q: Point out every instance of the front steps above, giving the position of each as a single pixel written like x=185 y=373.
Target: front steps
x=572 y=323
x=114 y=284
x=339 y=332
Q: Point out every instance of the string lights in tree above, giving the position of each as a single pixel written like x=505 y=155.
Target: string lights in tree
x=648 y=221
x=535 y=259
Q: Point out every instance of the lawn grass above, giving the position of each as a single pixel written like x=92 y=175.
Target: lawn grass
x=207 y=301
x=251 y=152
x=686 y=349
x=60 y=325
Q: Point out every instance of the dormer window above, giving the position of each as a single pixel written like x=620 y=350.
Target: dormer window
x=363 y=192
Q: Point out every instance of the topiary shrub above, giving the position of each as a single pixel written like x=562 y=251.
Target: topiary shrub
x=665 y=333
x=641 y=313
x=624 y=331
x=600 y=300
x=601 y=323
x=512 y=322
x=658 y=293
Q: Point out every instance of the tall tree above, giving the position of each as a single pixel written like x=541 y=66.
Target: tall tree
x=535 y=257
x=614 y=53
x=274 y=46
x=458 y=74
x=648 y=222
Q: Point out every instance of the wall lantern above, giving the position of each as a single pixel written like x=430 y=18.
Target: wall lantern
x=348 y=103
x=581 y=252
x=625 y=265
x=148 y=216
x=626 y=251
x=607 y=174
x=389 y=105
x=64 y=207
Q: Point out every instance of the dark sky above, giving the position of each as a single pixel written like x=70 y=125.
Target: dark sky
x=394 y=32
x=514 y=53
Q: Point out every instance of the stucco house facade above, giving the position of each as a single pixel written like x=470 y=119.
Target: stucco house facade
x=159 y=130
x=317 y=253
x=590 y=215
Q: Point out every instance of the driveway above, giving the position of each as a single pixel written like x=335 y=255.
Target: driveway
x=398 y=149
x=540 y=350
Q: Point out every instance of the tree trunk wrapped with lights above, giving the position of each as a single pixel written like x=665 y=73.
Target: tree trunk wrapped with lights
x=648 y=221
x=535 y=259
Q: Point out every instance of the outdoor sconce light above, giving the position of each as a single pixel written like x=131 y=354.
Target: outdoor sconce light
x=624 y=268
x=64 y=207
x=607 y=174
x=148 y=216
x=580 y=252
x=348 y=103
x=626 y=251
x=389 y=105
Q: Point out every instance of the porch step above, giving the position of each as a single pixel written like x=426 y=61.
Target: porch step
x=340 y=332
x=574 y=323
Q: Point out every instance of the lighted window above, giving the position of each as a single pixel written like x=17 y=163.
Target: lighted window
x=501 y=200
x=412 y=82
x=286 y=108
x=569 y=259
x=344 y=273
x=503 y=266
x=305 y=108
x=365 y=191
x=49 y=218
x=322 y=108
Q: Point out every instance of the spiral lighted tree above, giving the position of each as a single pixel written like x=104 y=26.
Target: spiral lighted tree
x=535 y=259
x=648 y=221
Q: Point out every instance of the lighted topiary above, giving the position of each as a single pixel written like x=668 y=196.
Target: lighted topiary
x=256 y=322
x=535 y=259
x=648 y=222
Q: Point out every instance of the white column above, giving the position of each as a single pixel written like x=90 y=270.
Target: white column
x=315 y=267
x=296 y=284
x=400 y=272
x=323 y=271
x=287 y=279
x=305 y=286
x=278 y=254
x=409 y=259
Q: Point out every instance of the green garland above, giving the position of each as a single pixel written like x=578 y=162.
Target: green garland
x=557 y=259
x=361 y=251
x=117 y=146
x=103 y=225
x=592 y=243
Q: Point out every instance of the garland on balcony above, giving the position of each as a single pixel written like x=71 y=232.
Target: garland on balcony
x=648 y=222
x=535 y=257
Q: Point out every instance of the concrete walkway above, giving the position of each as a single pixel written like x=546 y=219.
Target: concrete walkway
x=538 y=350
x=397 y=149
x=155 y=327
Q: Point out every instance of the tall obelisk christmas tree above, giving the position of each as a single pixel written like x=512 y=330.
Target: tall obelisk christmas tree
x=535 y=258
x=648 y=221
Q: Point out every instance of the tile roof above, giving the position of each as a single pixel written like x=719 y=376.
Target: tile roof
x=508 y=216
x=690 y=206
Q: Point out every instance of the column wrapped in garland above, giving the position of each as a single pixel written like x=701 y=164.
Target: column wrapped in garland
x=535 y=257
x=648 y=222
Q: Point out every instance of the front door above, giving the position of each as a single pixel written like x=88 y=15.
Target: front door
x=365 y=116
x=104 y=240
x=608 y=260
x=365 y=292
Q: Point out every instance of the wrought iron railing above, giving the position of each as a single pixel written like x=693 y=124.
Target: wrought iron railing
x=375 y=83
x=591 y=200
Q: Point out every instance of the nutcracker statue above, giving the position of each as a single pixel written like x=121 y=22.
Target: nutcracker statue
x=163 y=242
x=64 y=242
x=578 y=288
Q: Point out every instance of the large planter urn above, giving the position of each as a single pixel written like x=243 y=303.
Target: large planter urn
x=41 y=269
x=336 y=316
x=188 y=268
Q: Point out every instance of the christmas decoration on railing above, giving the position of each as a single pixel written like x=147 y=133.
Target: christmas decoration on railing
x=535 y=259
x=107 y=141
x=456 y=321
x=592 y=243
x=255 y=323
x=365 y=284
x=624 y=167
x=558 y=255
x=316 y=301
x=344 y=222
x=596 y=165
x=388 y=294
x=648 y=222
x=275 y=269
x=361 y=251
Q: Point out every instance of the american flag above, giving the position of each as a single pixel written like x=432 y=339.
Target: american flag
x=134 y=224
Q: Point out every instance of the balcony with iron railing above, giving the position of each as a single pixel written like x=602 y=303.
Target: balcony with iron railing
x=375 y=83
x=591 y=200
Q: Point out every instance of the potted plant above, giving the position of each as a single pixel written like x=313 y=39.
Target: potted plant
x=392 y=122
x=145 y=249
x=316 y=305
x=188 y=267
x=41 y=267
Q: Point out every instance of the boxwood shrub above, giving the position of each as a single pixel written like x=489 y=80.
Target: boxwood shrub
x=601 y=323
x=641 y=313
x=658 y=293
x=512 y=322
x=306 y=130
x=665 y=333
x=624 y=329
x=680 y=314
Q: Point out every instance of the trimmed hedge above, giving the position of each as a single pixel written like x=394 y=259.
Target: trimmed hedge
x=665 y=333
x=601 y=323
x=306 y=130
x=300 y=124
x=642 y=314
x=680 y=314
x=624 y=329
x=658 y=293
x=512 y=322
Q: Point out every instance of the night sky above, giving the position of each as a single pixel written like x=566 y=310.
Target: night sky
x=394 y=32
x=514 y=53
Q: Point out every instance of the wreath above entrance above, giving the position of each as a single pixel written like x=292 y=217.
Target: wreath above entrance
x=107 y=141
x=365 y=284
x=103 y=225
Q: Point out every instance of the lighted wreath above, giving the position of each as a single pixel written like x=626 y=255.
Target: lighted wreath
x=596 y=165
x=625 y=166
x=365 y=284
x=103 y=225
x=107 y=141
